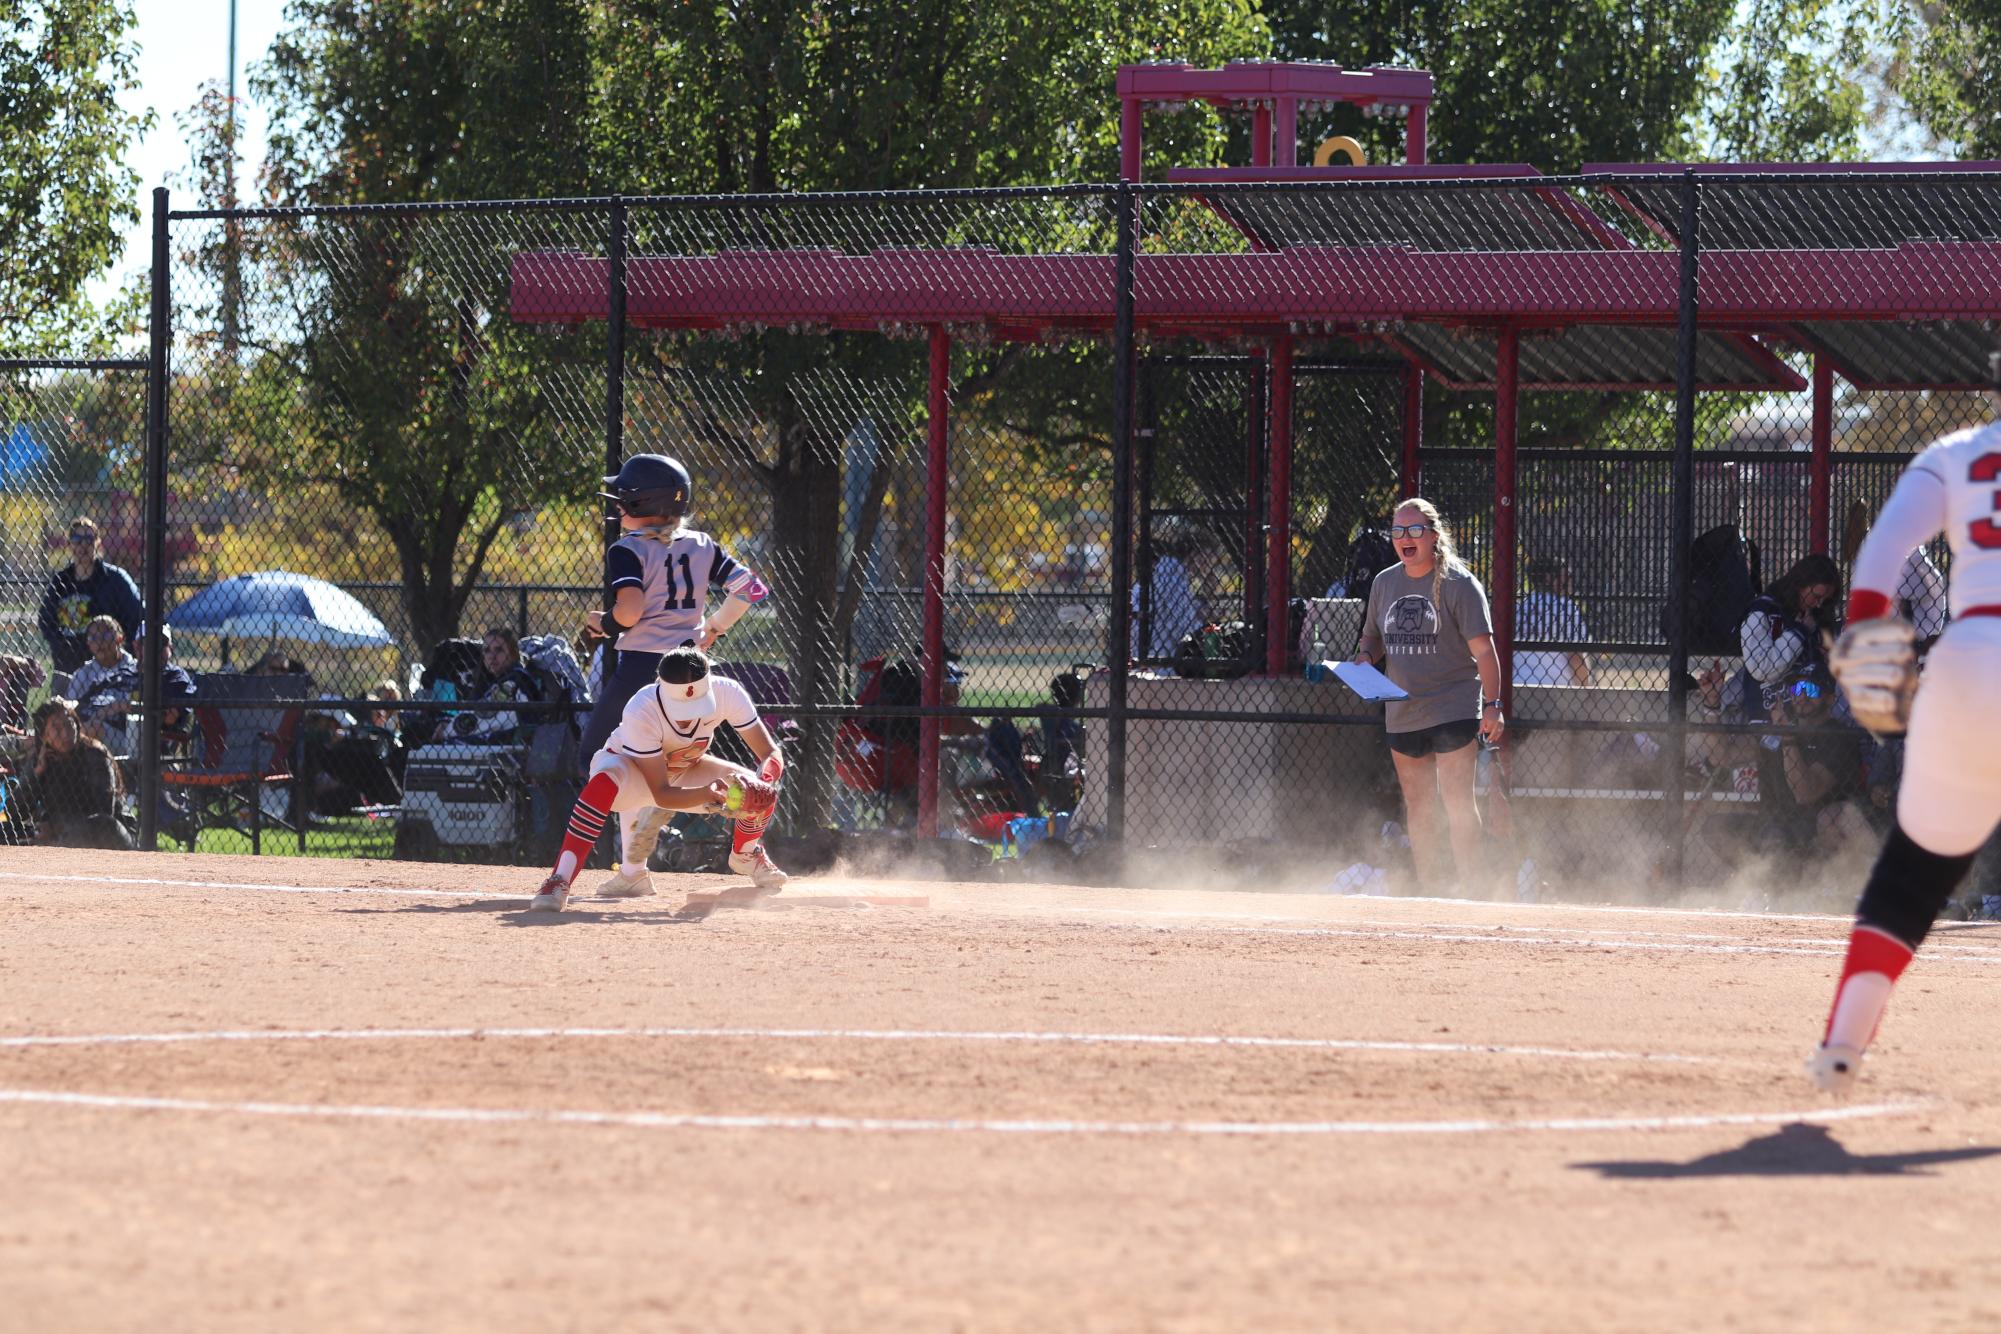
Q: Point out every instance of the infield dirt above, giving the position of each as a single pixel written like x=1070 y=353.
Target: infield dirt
x=961 y=1116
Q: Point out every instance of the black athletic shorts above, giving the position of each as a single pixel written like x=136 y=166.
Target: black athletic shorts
x=1440 y=740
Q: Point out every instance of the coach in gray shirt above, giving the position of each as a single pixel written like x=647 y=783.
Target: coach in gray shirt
x=1427 y=624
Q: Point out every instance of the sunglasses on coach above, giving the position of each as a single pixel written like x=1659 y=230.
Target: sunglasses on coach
x=1409 y=529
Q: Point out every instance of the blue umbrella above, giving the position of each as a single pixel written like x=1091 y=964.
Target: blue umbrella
x=277 y=604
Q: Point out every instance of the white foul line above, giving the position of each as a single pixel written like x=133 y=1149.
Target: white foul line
x=522 y=894
x=847 y=1034
x=901 y=1125
x=1463 y=936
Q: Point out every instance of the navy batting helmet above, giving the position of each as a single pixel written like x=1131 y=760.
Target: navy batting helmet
x=651 y=485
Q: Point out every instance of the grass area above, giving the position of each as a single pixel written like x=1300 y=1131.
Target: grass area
x=343 y=837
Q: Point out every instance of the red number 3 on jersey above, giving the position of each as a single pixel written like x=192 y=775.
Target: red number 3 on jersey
x=1986 y=534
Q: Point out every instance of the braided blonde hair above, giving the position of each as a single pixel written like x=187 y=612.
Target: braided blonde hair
x=1448 y=552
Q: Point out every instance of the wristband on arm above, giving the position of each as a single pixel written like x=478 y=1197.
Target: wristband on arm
x=746 y=590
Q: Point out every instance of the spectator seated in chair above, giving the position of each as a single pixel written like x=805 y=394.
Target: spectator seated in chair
x=19 y=678
x=103 y=688
x=879 y=754
x=509 y=682
x=347 y=763
x=1817 y=776
x=177 y=722
x=1781 y=635
x=74 y=787
x=455 y=670
x=1046 y=767
x=177 y=684
x=386 y=725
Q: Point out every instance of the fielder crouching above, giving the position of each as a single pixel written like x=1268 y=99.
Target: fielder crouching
x=657 y=757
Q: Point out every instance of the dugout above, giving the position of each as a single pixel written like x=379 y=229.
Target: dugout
x=1434 y=284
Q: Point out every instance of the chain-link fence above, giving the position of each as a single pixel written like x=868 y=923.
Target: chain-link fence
x=71 y=478
x=1063 y=497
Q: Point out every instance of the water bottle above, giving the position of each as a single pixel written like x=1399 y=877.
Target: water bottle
x=1316 y=666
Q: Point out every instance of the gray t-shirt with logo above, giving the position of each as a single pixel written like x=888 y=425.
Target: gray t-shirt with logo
x=1426 y=645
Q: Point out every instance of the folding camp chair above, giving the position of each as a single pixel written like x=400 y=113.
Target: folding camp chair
x=245 y=742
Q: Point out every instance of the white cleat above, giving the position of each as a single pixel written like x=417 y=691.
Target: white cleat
x=623 y=886
x=756 y=863
x=1834 y=1069
x=555 y=892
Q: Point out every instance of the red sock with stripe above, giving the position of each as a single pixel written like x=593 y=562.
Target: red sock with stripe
x=1876 y=959
x=587 y=819
x=748 y=831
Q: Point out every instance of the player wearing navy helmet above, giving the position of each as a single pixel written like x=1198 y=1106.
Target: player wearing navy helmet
x=659 y=573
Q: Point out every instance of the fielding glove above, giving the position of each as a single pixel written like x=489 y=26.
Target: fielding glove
x=1876 y=662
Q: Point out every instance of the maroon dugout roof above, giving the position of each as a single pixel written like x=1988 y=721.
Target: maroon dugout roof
x=1431 y=270
x=1920 y=218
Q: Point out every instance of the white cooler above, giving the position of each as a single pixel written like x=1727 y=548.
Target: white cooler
x=468 y=795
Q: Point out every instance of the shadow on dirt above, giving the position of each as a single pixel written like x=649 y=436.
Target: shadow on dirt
x=514 y=912
x=1800 y=1149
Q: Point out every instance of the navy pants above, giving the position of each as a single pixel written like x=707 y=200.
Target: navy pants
x=630 y=674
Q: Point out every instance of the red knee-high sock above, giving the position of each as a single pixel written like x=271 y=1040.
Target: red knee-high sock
x=748 y=831
x=1876 y=959
x=587 y=819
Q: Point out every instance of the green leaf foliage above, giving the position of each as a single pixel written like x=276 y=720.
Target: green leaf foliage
x=65 y=195
x=1951 y=73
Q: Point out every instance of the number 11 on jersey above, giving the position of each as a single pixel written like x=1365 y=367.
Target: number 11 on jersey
x=687 y=583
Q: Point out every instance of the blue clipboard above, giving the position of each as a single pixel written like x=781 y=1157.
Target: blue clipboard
x=1367 y=682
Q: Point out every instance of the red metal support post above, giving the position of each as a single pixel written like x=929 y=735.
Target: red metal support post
x=1278 y=555
x=1820 y=487
x=1414 y=146
x=1131 y=116
x=1255 y=395
x=1411 y=473
x=936 y=497
x=1261 y=136
x=1507 y=386
x=1285 y=152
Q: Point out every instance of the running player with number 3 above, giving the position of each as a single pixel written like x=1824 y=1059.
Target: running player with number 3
x=1950 y=796
x=659 y=574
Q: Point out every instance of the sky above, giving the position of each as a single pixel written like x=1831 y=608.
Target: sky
x=182 y=45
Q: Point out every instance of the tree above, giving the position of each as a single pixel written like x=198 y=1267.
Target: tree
x=773 y=95
x=430 y=409
x=65 y=195
x=1950 y=70
x=1561 y=85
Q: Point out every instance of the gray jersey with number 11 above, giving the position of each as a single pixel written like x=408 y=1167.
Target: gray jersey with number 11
x=675 y=574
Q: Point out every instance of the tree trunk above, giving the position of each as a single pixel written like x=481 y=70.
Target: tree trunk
x=806 y=533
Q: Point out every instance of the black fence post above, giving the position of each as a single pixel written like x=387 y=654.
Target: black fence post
x=1681 y=523
x=1119 y=646
x=614 y=411
x=156 y=531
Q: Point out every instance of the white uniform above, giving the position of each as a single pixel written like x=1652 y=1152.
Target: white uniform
x=1950 y=798
x=645 y=730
